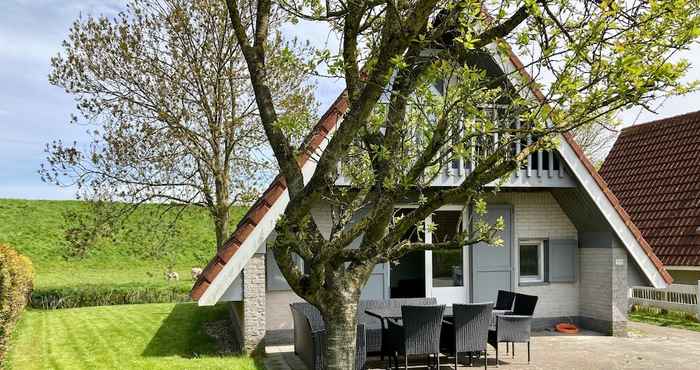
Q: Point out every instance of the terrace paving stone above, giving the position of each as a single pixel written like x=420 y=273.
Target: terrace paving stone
x=646 y=347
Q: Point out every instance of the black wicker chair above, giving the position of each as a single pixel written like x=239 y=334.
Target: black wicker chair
x=418 y=333
x=374 y=326
x=504 y=300
x=310 y=337
x=468 y=332
x=524 y=304
x=515 y=327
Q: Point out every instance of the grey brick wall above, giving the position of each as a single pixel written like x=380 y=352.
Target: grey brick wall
x=249 y=316
x=595 y=292
x=603 y=288
x=620 y=264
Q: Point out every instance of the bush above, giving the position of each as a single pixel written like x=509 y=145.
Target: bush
x=16 y=279
x=106 y=295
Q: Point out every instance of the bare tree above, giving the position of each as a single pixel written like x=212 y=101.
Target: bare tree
x=420 y=96
x=169 y=93
x=596 y=140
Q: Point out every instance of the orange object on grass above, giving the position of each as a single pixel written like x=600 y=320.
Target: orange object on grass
x=566 y=328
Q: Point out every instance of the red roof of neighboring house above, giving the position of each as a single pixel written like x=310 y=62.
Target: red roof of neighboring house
x=326 y=124
x=654 y=169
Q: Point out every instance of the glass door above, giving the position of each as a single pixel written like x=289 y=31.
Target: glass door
x=446 y=274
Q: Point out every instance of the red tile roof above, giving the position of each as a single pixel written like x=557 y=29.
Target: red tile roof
x=654 y=169
x=322 y=128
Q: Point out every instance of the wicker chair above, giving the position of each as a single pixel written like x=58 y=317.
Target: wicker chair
x=524 y=304
x=310 y=338
x=515 y=327
x=418 y=333
x=373 y=326
x=504 y=300
x=469 y=331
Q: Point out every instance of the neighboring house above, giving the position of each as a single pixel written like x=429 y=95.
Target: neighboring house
x=566 y=240
x=654 y=170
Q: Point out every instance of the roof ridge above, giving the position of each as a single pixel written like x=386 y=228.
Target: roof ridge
x=661 y=120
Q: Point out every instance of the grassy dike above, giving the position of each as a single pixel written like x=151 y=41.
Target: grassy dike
x=127 y=267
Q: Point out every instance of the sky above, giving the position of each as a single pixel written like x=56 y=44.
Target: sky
x=34 y=113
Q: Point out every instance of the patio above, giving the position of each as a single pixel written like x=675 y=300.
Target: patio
x=646 y=347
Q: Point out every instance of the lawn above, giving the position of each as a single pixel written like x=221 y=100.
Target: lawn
x=136 y=254
x=144 y=336
x=670 y=319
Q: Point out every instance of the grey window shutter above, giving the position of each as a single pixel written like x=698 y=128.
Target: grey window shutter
x=562 y=260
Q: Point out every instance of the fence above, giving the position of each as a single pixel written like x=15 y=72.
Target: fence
x=677 y=297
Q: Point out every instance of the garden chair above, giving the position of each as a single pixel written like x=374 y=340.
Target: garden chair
x=515 y=327
x=469 y=331
x=418 y=332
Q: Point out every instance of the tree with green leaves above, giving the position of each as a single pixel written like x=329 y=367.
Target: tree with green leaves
x=420 y=95
x=166 y=86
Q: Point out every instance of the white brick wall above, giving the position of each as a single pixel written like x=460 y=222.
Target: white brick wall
x=538 y=215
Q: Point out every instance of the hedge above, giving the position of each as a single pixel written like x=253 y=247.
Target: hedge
x=106 y=295
x=16 y=280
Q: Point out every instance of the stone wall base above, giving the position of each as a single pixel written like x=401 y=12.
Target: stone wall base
x=614 y=328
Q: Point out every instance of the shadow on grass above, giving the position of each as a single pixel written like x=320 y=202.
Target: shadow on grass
x=183 y=332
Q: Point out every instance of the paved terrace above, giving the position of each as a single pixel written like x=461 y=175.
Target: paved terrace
x=646 y=347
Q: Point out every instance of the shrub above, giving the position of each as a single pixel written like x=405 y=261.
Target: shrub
x=106 y=295
x=16 y=277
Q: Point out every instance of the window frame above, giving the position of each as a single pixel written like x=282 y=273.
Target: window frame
x=540 y=277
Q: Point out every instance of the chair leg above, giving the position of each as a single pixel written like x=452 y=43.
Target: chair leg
x=437 y=359
x=456 y=359
x=528 y=351
x=486 y=360
x=405 y=356
x=496 y=354
x=513 y=351
x=507 y=348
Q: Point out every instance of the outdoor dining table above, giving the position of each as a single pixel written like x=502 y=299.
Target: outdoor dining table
x=394 y=313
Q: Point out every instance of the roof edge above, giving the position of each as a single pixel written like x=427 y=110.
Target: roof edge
x=260 y=208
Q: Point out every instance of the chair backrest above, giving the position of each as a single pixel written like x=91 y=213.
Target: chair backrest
x=422 y=325
x=312 y=314
x=372 y=322
x=472 y=326
x=524 y=304
x=504 y=300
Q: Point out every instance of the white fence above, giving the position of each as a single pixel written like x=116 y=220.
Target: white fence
x=677 y=297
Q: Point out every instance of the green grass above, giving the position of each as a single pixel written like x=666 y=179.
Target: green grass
x=135 y=255
x=146 y=336
x=678 y=320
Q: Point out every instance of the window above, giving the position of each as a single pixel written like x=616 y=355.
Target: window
x=448 y=269
x=531 y=261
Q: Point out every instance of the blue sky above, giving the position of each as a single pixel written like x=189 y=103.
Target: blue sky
x=33 y=113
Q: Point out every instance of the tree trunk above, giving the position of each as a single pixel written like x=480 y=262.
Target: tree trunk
x=341 y=332
x=221 y=226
